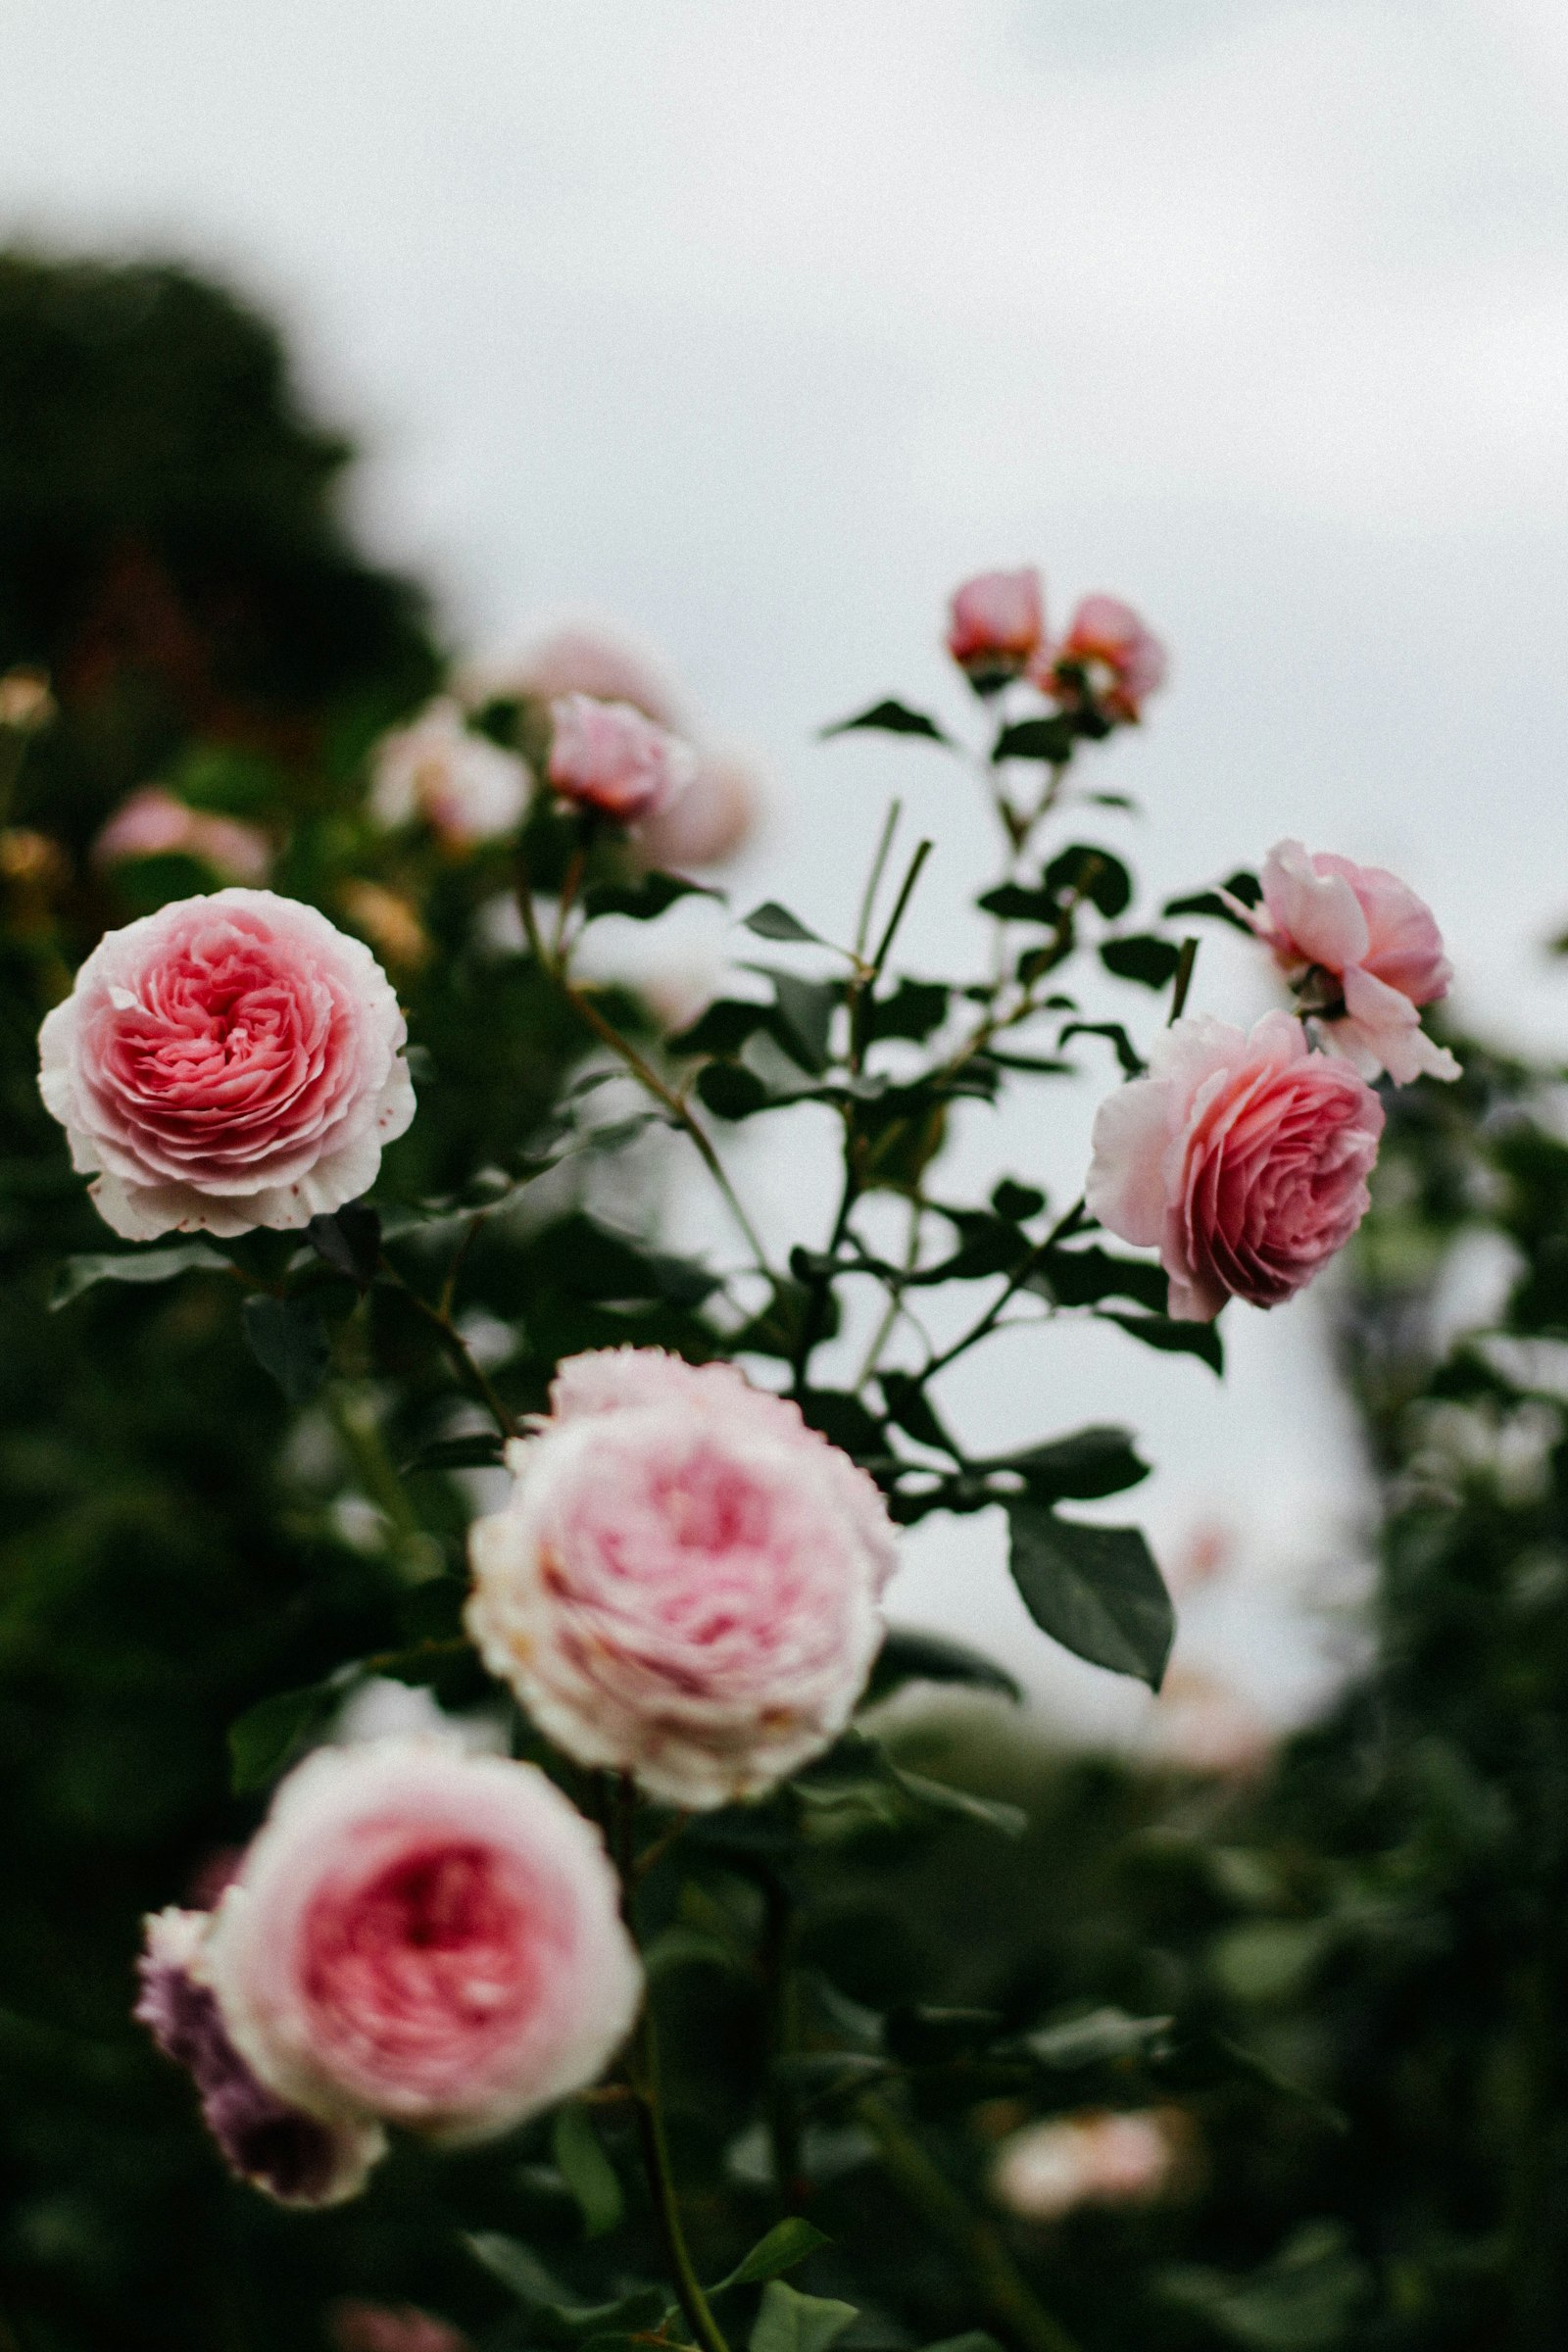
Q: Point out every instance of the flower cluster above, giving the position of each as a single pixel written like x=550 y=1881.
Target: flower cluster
x=1106 y=664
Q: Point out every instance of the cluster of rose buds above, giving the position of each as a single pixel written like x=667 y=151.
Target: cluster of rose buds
x=1107 y=664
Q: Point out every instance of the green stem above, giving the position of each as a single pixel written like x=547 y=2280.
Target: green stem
x=468 y=1367
x=998 y=2280
x=783 y=2123
x=1020 y=1274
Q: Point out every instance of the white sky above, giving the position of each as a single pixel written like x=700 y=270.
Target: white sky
x=759 y=326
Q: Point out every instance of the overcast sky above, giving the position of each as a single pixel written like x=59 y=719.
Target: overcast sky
x=762 y=325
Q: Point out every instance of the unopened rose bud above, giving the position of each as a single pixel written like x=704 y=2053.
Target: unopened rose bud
x=607 y=756
x=997 y=625
x=26 y=702
x=1107 y=658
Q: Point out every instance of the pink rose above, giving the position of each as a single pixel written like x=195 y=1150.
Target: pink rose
x=1243 y=1159
x=685 y=1582
x=153 y=823
x=423 y=1935
x=295 y=2157
x=997 y=625
x=714 y=818
x=593 y=659
x=465 y=788
x=1369 y=932
x=1096 y=2158
x=1108 y=654
x=608 y=756
x=228 y=1062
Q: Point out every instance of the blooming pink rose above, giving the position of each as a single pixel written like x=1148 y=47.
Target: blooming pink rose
x=423 y=1935
x=685 y=1582
x=1370 y=932
x=997 y=623
x=228 y=1062
x=153 y=823
x=714 y=818
x=1243 y=1159
x=1107 y=652
x=1096 y=2158
x=465 y=788
x=608 y=756
x=295 y=2157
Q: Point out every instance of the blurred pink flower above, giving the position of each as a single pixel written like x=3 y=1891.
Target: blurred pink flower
x=229 y=1062
x=589 y=658
x=153 y=823
x=1368 y=931
x=712 y=820
x=997 y=625
x=465 y=788
x=685 y=1581
x=607 y=756
x=391 y=2327
x=1242 y=1158
x=1099 y=2157
x=1108 y=654
x=428 y=1936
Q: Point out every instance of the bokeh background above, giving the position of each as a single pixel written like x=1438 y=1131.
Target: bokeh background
x=757 y=328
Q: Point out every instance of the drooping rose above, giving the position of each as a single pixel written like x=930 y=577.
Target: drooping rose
x=298 y=2157
x=997 y=625
x=1099 y=2157
x=685 y=1581
x=426 y=1935
x=228 y=1062
x=608 y=756
x=1367 y=931
x=153 y=823
x=1107 y=654
x=1242 y=1158
x=465 y=788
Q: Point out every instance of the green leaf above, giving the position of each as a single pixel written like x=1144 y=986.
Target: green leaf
x=1086 y=872
x=1016 y=1201
x=939 y=1797
x=909 y=1655
x=289 y=1339
x=1175 y=1339
x=731 y=1090
x=271 y=1735
x=1311 y=2298
x=1127 y=1054
x=844 y=1420
x=1142 y=957
x=480 y=1452
x=1049 y=739
x=911 y=1409
x=790 y=2322
x=770 y=920
x=1083 y=1277
x=519 y=2269
x=723 y=1027
x=914 y=1009
x=1095 y=1590
x=349 y=1241
x=786 y=2243
x=1019 y=902
x=78 y=1274
x=1244 y=886
x=643 y=900
x=889 y=719
x=587 y=2171
x=806 y=1010
x=1079 y=1468
x=1093 y=2039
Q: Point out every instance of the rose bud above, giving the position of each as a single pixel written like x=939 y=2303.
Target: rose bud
x=228 y=1062
x=1243 y=1159
x=607 y=756
x=295 y=2157
x=685 y=1582
x=1097 y=2158
x=426 y=1935
x=153 y=823
x=997 y=625
x=1370 y=934
x=463 y=787
x=1107 y=658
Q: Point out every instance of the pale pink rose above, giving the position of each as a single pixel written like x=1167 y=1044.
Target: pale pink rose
x=685 y=1582
x=465 y=788
x=391 y=2327
x=712 y=820
x=1243 y=1159
x=608 y=756
x=1108 y=649
x=1096 y=2158
x=293 y=2156
x=228 y=1062
x=1368 y=930
x=153 y=823
x=997 y=623
x=594 y=659
x=428 y=1936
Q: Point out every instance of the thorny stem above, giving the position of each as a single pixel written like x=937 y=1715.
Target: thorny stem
x=1008 y=2298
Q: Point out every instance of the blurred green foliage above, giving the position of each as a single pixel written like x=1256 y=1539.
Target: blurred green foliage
x=1344 y=1978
